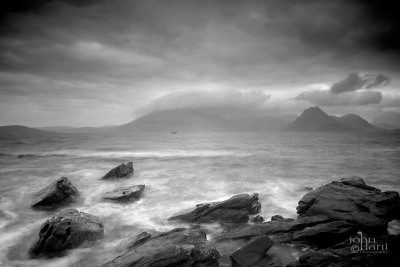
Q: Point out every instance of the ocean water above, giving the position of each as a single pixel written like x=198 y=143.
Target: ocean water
x=179 y=171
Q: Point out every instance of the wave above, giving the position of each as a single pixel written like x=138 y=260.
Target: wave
x=131 y=154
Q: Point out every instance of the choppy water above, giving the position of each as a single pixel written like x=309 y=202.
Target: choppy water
x=179 y=171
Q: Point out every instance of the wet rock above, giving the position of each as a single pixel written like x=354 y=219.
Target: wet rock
x=252 y=253
x=234 y=210
x=317 y=258
x=350 y=199
x=257 y=219
x=394 y=227
x=269 y=261
x=280 y=218
x=178 y=247
x=125 y=193
x=138 y=240
x=271 y=227
x=57 y=192
x=326 y=234
x=67 y=230
x=123 y=170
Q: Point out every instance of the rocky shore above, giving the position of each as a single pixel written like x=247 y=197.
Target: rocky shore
x=343 y=223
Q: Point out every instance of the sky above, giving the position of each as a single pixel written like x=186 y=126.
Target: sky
x=107 y=62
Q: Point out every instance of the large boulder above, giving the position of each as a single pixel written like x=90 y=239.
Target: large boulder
x=125 y=193
x=57 y=192
x=350 y=199
x=234 y=210
x=121 y=171
x=251 y=253
x=178 y=247
x=67 y=230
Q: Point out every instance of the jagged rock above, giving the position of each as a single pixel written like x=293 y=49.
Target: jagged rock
x=257 y=219
x=123 y=170
x=271 y=227
x=252 y=253
x=178 y=247
x=67 y=230
x=139 y=239
x=125 y=193
x=394 y=227
x=350 y=199
x=234 y=210
x=325 y=234
x=317 y=258
x=59 y=191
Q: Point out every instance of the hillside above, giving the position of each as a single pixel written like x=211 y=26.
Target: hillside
x=19 y=130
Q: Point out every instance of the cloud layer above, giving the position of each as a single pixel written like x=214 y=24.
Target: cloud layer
x=90 y=55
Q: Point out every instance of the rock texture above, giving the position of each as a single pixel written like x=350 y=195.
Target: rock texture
x=57 y=192
x=252 y=253
x=179 y=247
x=350 y=199
x=68 y=230
x=123 y=170
x=125 y=193
x=234 y=210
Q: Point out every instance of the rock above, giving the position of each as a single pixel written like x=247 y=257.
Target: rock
x=316 y=258
x=67 y=230
x=280 y=218
x=139 y=239
x=252 y=253
x=234 y=210
x=271 y=227
x=269 y=261
x=394 y=227
x=326 y=234
x=123 y=170
x=350 y=199
x=59 y=191
x=257 y=219
x=178 y=247
x=125 y=193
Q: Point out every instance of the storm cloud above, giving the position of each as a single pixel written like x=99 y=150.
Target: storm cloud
x=90 y=55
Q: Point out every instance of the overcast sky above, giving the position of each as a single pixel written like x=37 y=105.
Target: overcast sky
x=92 y=63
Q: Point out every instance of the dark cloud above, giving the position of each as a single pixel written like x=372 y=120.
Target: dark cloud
x=326 y=98
x=355 y=81
x=378 y=80
x=140 y=50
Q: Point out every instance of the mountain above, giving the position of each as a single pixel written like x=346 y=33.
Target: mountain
x=66 y=129
x=181 y=120
x=388 y=120
x=19 y=130
x=357 y=123
x=314 y=119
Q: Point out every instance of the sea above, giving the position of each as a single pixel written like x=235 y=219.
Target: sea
x=179 y=170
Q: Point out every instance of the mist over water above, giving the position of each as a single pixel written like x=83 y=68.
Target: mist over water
x=179 y=171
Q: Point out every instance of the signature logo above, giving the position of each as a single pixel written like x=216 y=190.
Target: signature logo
x=364 y=244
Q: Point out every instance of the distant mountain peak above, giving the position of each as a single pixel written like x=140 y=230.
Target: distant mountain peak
x=315 y=119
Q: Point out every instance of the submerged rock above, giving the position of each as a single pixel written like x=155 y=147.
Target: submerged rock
x=350 y=199
x=234 y=210
x=123 y=170
x=67 y=230
x=59 y=191
x=252 y=253
x=125 y=193
x=178 y=247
